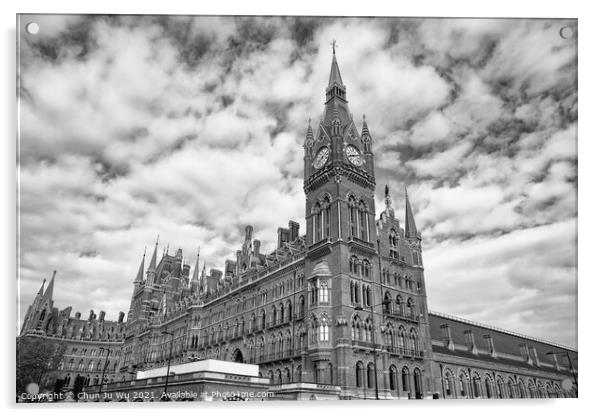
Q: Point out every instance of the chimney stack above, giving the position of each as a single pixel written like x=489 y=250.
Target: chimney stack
x=256 y=247
x=293 y=228
x=470 y=343
x=490 y=345
x=447 y=336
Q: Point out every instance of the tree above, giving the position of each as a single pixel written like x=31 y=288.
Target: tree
x=36 y=357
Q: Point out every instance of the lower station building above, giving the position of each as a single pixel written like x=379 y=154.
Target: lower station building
x=340 y=312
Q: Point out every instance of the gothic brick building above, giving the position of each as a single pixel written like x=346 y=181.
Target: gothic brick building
x=345 y=305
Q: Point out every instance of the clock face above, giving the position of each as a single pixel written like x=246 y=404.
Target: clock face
x=353 y=154
x=321 y=158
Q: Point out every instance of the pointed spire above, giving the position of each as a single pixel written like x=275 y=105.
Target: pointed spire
x=309 y=136
x=195 y=274
x=388 y=201
x=152 y=266
x=41 y=290
x=365 y=131
x=140 y=274
x=50 y=289
x=335 y=73
x=411 y=230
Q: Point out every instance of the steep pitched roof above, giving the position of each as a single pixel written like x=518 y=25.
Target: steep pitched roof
x=411 y=230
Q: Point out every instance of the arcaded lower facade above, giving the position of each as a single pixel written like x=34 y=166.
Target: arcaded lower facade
x=344 y=305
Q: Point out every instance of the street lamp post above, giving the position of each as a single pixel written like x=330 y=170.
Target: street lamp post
x=104 y=369
x=570 y=366
x=168 y=365
x=360 y=308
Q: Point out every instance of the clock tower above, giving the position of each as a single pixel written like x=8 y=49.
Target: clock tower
x=342 y=263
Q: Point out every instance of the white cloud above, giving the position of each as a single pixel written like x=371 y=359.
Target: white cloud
x=192 y=128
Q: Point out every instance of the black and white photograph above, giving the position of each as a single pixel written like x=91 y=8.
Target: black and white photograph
x=267 y=208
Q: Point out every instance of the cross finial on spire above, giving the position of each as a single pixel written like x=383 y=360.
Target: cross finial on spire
x=334 y=45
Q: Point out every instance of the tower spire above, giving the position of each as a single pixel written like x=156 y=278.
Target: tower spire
x=140 y=274
x=309 y=136
x=41 y=290
x=335 y=78
x=50 y=289
x=195 y=274
x=411 y=230
x=153 y=262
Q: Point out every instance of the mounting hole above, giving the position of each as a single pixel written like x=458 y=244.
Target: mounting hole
x=32 y=28
x=566 y=32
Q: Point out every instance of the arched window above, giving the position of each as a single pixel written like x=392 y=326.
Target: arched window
x=326 y=215
x=301 y=306
x=352 y=216
x=323 y=293
x=448 y=384
x=370 y=375
x=289 y=311
x=393 y=378
x=324 y=333
x=362 y=214
x=359 y=374
x=274 y=315
x=499 y=388
x=393 y=239
x=476 y=385
x=405 y=379
x=510 y=388
x=387 y=302
x=463 y=385
x=488 y=388
x=318 y=227
x=366 y=268
x=418 y=383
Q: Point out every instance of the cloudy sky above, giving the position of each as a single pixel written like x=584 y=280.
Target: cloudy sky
x=191 y=128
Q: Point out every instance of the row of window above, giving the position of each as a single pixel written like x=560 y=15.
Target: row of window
x=281 y=314
x=474 y=386
x=91 y=366
x=402 y=281
x=361 y=268
x=360 y=293
x=240 y=305
x=357 y=215
x=364 y=378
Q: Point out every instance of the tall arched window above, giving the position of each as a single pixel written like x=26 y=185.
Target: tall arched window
x=324 y=332
x=323 y=293
x=301 y=306
x=318 y=227
x=393 y=378
x=359 y=374
x=463 y=385
x=393 y=240
x=370 y=375
x=510 y=388
x=362 y=214
x=500 y=388
x=351 y=204
x=405 y=379
x=476 y=385
x=488 y=388
x=387 y=302
x=448 y=384
x=326 y=217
